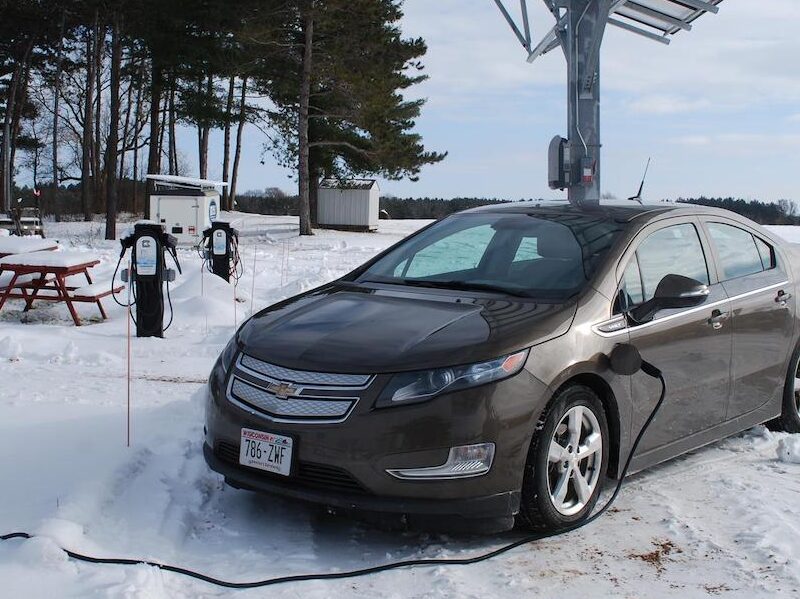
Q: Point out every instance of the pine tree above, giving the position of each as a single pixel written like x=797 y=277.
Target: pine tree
x=345 y=113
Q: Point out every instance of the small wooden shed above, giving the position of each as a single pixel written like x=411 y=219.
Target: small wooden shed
x=349 y=204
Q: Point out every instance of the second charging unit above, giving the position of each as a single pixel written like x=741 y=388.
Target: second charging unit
x=220 y=247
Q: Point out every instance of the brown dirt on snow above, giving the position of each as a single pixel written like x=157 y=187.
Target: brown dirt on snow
x=657 y=557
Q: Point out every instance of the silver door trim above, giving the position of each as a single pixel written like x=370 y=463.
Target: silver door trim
x=597 y=327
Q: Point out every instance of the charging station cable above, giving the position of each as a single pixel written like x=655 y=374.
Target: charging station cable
x=646 y=367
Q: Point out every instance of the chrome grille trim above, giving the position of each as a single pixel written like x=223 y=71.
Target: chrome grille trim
x=321 y=380
x=293 y=407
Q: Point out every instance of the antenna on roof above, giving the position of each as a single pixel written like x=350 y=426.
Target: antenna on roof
x=638 y=196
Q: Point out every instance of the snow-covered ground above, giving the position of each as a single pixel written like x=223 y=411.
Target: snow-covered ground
x=722 y=521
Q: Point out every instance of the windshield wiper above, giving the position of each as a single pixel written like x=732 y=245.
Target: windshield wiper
x=459 y=285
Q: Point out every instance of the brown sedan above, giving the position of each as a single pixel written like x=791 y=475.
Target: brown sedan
x=462 y=375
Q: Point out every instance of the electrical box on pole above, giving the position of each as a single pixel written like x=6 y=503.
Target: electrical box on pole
x=574 y=162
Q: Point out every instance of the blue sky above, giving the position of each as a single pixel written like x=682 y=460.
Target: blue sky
x=718 y=110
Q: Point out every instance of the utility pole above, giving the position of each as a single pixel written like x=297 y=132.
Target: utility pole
x=581 y=43
x=574 y=163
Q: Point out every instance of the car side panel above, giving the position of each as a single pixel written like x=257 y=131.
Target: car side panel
x=762 y=340
x=582 y=352
x=694 y=356
x=763 y=328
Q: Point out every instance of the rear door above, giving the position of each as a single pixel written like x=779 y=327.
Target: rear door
x=755 y=278
x=691 y=346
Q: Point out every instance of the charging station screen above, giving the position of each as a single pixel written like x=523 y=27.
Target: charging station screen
x=146 y=256
x=219 y=243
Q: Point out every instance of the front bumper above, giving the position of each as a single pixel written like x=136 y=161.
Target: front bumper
x=494 y=513
x=343 y=465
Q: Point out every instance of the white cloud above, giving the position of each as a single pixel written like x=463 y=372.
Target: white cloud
x=692 y=140
x=735 y=71
x=668 y=104
x=757 y=146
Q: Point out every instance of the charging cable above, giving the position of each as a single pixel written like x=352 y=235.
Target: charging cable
x=646 y=367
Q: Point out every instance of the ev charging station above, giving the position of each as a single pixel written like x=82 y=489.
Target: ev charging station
x=574 y=162
x=148 y=274
x=220 y=250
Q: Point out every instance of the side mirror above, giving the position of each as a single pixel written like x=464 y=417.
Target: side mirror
x=673 y=291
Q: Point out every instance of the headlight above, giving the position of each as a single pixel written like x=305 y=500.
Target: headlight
x=228 y=354
x=414 y=387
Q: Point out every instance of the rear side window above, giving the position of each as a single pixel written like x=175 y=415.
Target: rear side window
x=766 y=253
x=740 y=253
x=673 y=250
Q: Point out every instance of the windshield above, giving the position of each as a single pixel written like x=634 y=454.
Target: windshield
x=547 y=256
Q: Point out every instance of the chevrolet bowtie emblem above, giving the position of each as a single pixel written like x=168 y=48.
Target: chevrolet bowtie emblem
x=283 y=390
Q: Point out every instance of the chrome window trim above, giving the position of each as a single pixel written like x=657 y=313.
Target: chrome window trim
x=258 y=413
x=598 y=326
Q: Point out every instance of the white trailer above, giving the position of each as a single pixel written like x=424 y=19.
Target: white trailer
x=184 y=206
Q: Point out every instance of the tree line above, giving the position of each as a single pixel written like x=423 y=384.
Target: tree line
x=93 y=93
x=275 y=202
x=782 y=212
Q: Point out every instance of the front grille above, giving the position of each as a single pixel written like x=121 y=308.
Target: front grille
x=303 y=377
x=291 y=407
x=307 y=474
x=287 y=395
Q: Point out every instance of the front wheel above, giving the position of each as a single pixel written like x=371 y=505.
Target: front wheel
x=567 y=461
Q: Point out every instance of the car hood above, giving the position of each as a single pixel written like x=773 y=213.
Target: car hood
x=348 y=329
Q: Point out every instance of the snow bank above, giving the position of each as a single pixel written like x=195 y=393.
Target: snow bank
x=790 y=233
x=789 y=449
x=67 y=473
x=10 y=349
x=19 y=245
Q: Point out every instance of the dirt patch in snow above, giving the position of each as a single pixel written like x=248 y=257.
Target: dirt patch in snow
x=717 y=589
x=657 y=556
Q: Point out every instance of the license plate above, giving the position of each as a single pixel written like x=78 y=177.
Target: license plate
x=266 y=451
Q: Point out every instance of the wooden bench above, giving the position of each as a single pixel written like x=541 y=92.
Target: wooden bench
x=23 y=281
x=93 y=292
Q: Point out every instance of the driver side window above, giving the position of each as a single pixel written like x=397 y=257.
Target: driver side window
x=672 y=250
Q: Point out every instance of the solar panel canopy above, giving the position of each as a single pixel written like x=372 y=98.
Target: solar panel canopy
x=666 y=17
x=574 y=161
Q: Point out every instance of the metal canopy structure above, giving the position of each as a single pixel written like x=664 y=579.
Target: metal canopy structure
x=579 y=30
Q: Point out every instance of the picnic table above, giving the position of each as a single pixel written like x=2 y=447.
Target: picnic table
x=42 y=276
x=21 y=245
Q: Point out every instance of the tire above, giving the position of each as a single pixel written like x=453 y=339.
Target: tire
x=549 y=502
x=790 y=414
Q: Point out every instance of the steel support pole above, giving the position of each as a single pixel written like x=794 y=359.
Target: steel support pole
x=581 y=43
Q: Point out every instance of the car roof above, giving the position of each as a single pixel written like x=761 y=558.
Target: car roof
x=617 y=212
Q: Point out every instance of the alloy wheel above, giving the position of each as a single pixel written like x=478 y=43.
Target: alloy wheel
x=575 y=458
x=797 y=390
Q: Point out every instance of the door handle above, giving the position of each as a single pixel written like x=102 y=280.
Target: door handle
x=717 y=318
x=782 y=298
